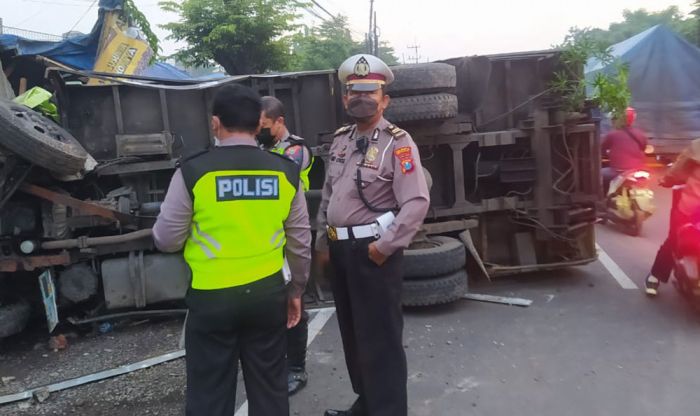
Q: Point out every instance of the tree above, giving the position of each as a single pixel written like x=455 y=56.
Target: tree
x=243 y=36
x=328 y=45
x=323 y=47
x=637 y=21
x=135 y=17
x=387 y=53
x=696 y=15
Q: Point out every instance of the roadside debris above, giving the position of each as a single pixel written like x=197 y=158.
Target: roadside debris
x=7 y=380
x=498 y=299
x=42 y=393
x=58 y=342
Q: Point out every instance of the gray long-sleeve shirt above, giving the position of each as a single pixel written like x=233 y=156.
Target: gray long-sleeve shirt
x=173 y=225
x=392 y=177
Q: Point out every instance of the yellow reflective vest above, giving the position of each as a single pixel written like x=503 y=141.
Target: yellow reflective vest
x=241 y=196
x=292 y=140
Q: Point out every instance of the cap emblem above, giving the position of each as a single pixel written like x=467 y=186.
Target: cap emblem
x=361 y=67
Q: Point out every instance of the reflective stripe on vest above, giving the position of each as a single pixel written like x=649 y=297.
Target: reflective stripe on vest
x=237 y=234
x=304 y=174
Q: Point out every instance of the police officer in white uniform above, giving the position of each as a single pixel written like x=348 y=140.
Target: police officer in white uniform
x=375 y=198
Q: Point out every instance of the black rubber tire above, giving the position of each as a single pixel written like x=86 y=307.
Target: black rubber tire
x=422 y=107
x=446 y=256
x=39 y=140
x=435 y=291
x=426 y=78
x=14 y=316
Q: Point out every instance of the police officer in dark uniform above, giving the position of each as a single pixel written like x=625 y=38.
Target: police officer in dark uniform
x=275 y=137
x=375 y=198
x=238 y=211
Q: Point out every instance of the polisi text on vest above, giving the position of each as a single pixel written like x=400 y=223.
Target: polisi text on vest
x=231 y=188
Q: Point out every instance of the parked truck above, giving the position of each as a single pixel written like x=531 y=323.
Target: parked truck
x=514 y=180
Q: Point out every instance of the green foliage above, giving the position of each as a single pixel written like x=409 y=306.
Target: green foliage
x=135 y=18
x=611 y=91
x=323 y=47
x=637 y=21
x=243 y=36
x=328 y=45
x=387 y=54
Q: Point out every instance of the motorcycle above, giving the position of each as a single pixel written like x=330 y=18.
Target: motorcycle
x=686 y=269
x=629 y=201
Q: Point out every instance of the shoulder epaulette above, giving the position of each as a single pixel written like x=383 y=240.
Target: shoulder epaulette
x=346 y=128
x=190 y=156
x=294 y=139
x=395 y=131
x=285 y=158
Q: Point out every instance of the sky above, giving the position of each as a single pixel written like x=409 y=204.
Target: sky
x=440 y=28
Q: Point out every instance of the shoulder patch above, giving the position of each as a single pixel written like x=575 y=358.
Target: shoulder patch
x=296 y=153
x=346 y=128
x=395 y=131
x=405 y=156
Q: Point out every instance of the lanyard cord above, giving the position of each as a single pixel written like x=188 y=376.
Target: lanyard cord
x=358 y=180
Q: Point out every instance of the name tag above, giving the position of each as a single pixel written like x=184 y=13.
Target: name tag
x=246 y=187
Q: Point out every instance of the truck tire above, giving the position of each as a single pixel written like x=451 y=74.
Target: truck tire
x=435 y=291
x=39 y=140
x=14 y=316
x=414 y=79
x=422 y=107
x=440 y=256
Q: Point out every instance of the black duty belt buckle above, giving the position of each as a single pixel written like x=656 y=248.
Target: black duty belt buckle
x=332 y=233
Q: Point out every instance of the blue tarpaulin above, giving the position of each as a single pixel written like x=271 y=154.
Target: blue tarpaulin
x=80 y=52
x=664 y=78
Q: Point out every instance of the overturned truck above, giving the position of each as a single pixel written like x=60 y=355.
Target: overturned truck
x=514 y=180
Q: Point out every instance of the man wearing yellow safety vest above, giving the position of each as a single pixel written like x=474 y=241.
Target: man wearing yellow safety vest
x=275 y=137
x=238 y=211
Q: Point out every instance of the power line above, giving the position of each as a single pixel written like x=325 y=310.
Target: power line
x=83 y=16
x=55 y=3
x=311 y=11
x=416 y=57
x=338 y=7
x=32 y=16
x=324 y=9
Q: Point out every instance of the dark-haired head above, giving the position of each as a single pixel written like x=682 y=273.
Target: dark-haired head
x=236 y=109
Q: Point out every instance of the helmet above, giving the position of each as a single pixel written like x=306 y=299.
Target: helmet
x=630 y=116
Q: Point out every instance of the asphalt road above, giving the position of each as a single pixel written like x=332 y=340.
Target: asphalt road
x=586 y=346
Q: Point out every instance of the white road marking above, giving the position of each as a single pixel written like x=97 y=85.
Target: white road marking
x=315 y=325
x=615 y=270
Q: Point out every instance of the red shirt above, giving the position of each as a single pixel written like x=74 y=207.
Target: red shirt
x=625 y=148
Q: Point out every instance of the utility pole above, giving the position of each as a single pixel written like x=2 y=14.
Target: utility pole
x=370 y=39
x=376 y=36
x=415 y=58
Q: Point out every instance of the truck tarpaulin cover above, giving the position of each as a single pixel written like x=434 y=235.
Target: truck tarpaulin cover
x=80 y=52
x=664 y=77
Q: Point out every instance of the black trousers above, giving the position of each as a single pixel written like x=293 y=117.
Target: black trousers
x=296 y=342
x=368 y=306
x=246 y=322
x=664 y=261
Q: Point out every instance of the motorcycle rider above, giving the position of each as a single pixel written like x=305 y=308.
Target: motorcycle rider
x=624 y=147
x=685 y=170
